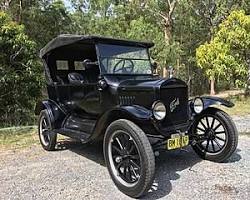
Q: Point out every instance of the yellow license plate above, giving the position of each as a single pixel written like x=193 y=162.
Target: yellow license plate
x=177 y=142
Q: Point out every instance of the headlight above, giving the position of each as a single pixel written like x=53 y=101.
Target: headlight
x=198 y=105
x=159 y=110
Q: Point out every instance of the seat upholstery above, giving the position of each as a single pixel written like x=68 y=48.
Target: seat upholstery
x=59 y=80
x=92 y=74
x=76 y=78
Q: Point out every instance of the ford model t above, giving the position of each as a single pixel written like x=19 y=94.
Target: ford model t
x=105 y=88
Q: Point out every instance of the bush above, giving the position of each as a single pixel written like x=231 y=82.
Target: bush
x=20 y=74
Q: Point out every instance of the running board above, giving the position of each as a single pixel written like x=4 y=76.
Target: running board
x=78 y=135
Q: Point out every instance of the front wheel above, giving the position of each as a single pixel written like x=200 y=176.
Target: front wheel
x=129 y=158
x=215 y=135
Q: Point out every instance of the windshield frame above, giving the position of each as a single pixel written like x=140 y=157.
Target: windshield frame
x=123 y=74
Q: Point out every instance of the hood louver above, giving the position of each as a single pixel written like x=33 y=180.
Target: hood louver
x=126 y=100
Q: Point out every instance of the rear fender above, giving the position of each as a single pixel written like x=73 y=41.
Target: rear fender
x=56 y=113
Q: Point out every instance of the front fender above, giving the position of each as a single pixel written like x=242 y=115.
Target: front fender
x=137 y=112
x=209 y=101
x=134 y=113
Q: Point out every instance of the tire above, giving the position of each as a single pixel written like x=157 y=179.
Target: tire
x=134 y=181
x=46 y=136
x=220 y=140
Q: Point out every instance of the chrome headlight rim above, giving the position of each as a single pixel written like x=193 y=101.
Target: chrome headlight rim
x=159 y=116
x=195 y=105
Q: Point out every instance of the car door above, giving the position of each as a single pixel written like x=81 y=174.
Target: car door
x=85 y=97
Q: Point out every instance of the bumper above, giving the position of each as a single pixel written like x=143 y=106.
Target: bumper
x=152 y=127
x=174 y=128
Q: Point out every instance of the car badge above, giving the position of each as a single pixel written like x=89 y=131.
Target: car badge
x=174 y=104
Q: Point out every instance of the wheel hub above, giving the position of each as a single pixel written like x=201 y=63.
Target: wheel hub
x=210 y=133
x=124 y=152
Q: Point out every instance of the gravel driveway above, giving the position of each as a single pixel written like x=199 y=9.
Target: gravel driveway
x=78 y=172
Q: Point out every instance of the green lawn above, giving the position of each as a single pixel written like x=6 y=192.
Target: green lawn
x=18 y=137
x=21 y=137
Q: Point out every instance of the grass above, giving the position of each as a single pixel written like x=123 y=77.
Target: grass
x=21 y=137
x=18 y=137
x=241 y=108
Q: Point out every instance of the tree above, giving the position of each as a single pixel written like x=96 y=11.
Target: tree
x=163 y=10
x=163 y=13
x=212 y=13
x=227 y=55
x=20 y=73
x=16 y=8
x=46 y=20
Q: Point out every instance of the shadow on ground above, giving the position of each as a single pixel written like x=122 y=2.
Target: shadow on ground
x=168 y=164
x=91 y=151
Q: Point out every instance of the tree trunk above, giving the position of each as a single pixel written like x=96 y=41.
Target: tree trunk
x=168 y=21
x=168 y=26
x=212 y=84
x=165 y=72
x=168 y=31
x=247 y=92
x=19 y=17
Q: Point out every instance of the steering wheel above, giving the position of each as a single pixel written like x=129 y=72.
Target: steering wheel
x=120 y=67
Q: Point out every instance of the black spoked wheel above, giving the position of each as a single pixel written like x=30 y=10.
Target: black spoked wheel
x=211 y=134
x=46 y=135
x=125 y=158
x=215 y=134
x=129 y=158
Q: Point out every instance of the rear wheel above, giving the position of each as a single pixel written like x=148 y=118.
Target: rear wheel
x=215 y=134
x=129 y=158
x=46 y=136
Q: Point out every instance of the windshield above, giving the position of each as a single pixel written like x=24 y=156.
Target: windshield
x=116 y=59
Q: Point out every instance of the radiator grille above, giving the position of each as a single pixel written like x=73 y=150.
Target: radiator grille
x=176 y=102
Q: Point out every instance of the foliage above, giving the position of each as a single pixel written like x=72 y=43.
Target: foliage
x=45 y=21
x=20 y=80
x=226 y=55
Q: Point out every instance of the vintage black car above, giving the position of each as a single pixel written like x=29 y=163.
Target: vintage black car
x=105 y=88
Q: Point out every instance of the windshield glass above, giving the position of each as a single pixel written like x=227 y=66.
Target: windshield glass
x=116 y=59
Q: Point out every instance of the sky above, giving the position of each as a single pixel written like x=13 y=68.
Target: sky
x=67 y=3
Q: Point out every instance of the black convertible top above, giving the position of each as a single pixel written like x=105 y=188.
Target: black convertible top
x=68 y=39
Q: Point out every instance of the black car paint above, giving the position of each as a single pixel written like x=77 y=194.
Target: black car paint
x=85 y=110
x=210 y=100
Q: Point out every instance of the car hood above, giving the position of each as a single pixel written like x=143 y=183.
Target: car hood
x=141 y=91
x=150 y=84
